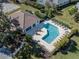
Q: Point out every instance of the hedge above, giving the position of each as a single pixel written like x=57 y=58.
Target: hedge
x=40 y=15
x=29 y=11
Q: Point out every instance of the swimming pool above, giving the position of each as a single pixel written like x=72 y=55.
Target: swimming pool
x=52 y=33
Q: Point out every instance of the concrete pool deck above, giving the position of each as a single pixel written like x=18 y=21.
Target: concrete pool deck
x=50 y=47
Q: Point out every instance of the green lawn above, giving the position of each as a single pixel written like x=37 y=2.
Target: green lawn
x=27 y=7
x=67 y=18
x=70 y=55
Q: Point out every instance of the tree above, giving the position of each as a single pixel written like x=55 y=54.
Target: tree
x=48 y=10
x=76 y=17
x=25 y=52
x=11 y=33
x=28 y=38
x=55 y=8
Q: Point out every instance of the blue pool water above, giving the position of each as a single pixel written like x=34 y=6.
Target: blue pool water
x=53 y=32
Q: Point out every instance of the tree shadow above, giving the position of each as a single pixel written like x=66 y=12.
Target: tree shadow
x=73 y=49
x=66 y=5
x=77 y=33
x=69 y=47
x=59 y=13
x=15 y=22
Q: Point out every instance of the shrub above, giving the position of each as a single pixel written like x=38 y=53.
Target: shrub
x=28 y=38
x=42 y=10
x=72 y=10
x=40 y=15
x=29 y=11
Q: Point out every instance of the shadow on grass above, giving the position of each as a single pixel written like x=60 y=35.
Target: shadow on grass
x=64 y=6
x=58 y=12
x=71 y=46
x=77 y=34
x=73 y=49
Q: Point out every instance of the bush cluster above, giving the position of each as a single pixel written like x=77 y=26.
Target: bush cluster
x=72 y=10
x=40 y=15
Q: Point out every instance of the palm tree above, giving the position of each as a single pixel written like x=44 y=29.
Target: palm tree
x=48 y=10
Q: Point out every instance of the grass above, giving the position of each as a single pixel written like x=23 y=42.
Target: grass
x=27 y=7
x=70 y=55
x=67 y=18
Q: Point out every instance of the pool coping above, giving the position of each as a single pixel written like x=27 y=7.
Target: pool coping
x=50 y=47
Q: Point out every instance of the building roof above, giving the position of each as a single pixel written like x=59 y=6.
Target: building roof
x=19 y=16
x=3 y=56
x=25 y=18
x=30 y=19
x=77 y=5
x=9 y=7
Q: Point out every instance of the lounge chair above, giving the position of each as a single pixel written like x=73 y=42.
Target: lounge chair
x=38 y=33
x=40 y=30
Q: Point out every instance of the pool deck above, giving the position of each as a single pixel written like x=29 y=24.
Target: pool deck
x=50 y=47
